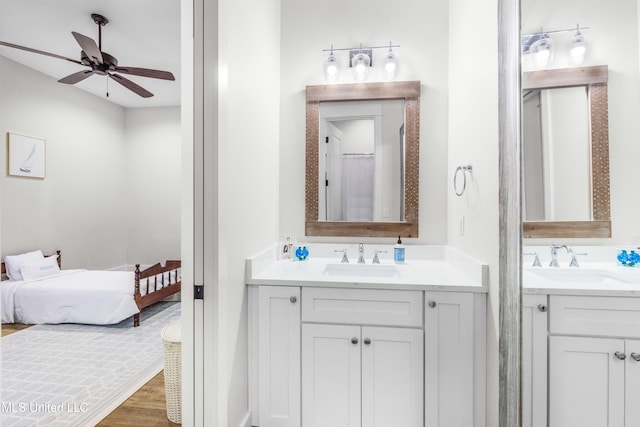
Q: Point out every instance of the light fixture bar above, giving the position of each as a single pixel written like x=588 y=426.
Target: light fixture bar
x=362 y=47
x=556 y=31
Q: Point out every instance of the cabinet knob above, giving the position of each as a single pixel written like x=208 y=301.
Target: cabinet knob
x=620 y=355
x=293 y=299
x=543 y=308
x=635 y=356
x=432 y=304
x=367 y=341
x=354 y=340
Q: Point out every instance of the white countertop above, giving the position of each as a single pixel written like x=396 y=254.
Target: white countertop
x=598 y=273
x=426 y=267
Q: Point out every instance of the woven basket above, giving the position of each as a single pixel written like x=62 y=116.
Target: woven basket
x=173 y=371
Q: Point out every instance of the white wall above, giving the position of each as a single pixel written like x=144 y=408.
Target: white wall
x=79 y=207
x=152 y=191
x=611 y=40
x=106 y=168
x=420 y=28
x=473 y=139
x=249 y=121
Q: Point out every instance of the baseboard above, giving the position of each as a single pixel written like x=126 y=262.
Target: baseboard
x=126 y=267
x=246 y=420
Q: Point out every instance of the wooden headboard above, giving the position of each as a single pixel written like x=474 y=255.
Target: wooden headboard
x=4 y=268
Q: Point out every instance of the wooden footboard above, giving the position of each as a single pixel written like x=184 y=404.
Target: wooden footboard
x=160 y=281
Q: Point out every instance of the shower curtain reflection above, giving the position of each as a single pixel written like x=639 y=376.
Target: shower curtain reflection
x=357 y=187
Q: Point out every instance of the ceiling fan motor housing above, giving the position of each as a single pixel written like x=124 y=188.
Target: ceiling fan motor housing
x=109 y=63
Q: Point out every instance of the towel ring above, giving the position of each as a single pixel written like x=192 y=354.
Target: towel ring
x=464 y=170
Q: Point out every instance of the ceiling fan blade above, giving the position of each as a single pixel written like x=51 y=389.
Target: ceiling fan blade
x=131 y=86
x=146 y=72
x=76 y=77
x=41 y=52
x=89 y=47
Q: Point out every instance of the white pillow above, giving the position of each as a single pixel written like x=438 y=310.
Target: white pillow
x=14 y=262
x=35 y=270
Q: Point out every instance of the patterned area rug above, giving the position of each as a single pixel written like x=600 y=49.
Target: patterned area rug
x=75 y=375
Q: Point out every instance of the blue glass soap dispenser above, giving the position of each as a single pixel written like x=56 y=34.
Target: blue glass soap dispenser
x=398 y=252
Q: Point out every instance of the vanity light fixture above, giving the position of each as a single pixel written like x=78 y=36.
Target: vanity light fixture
x=331 y=68
x=390 y=64
x=360 y=60
x=360 y=63
x=542 y=51
x=541 y=46
x=578 y=47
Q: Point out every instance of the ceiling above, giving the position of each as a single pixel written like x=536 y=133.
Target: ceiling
x=140 y=33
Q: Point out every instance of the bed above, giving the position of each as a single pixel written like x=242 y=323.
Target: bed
x=38 y=291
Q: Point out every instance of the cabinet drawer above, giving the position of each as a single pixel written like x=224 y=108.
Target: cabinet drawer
x=362 y=306
x=596 y=316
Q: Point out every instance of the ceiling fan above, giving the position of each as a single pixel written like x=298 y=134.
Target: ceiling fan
x=100 y=62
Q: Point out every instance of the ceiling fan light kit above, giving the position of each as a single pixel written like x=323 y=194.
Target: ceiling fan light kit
x=101 y=63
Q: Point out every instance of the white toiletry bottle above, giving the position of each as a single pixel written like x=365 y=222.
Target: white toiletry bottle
x=398 y=252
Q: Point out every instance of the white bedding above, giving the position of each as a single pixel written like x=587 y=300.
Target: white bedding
x=72 y=296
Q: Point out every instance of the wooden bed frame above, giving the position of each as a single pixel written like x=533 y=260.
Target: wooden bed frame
x=149 y=278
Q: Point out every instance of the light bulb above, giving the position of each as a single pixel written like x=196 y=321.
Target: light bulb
x=331 y=69
x=360 y=64
x=578 y=48
x=390 y=65
x=542 y=51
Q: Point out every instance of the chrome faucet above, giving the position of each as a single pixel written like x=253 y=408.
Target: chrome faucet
x=536 y=259
x=345 y=258
x=376 y=259
x=361 y=253
x=554 y=254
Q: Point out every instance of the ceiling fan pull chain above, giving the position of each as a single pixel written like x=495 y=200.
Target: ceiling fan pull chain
x=107 y=88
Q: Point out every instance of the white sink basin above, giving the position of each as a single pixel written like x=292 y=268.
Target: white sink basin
x=361 y=270
x=577 y=275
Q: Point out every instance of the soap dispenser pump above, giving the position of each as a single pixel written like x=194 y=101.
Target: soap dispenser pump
x=398 y=252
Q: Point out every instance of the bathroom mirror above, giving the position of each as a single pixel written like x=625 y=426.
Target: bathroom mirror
x=566 y=153
x=362 y=159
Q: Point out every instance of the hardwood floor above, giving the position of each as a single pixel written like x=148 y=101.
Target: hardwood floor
x=145 y=408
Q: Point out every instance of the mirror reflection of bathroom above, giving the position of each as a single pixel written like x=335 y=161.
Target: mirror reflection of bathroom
x=361 y=156
x=556 y=155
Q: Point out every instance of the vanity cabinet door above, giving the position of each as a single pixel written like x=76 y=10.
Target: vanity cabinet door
x=279 y=356
x=586 y=382
x=331 y=386
x=534 y=360
x=632 y=383
x=449 y=359
x=392 y=377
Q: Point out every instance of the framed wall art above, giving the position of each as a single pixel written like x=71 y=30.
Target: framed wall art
x=27 y=156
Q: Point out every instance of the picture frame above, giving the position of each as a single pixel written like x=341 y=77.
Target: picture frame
x=26 y=156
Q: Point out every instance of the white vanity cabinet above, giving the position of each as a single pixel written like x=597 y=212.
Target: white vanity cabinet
x=355 y=373
x=361 y=376
x=455 y=361
x=278 y=363
x=534 y=360
x=366 y=357
x=593 y=361
x=593 y=347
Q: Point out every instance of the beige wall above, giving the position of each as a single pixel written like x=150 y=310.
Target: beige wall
x=420 y=28
x=110 y=175
x=473 y=140
x=152 y=191
x=82 y=194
